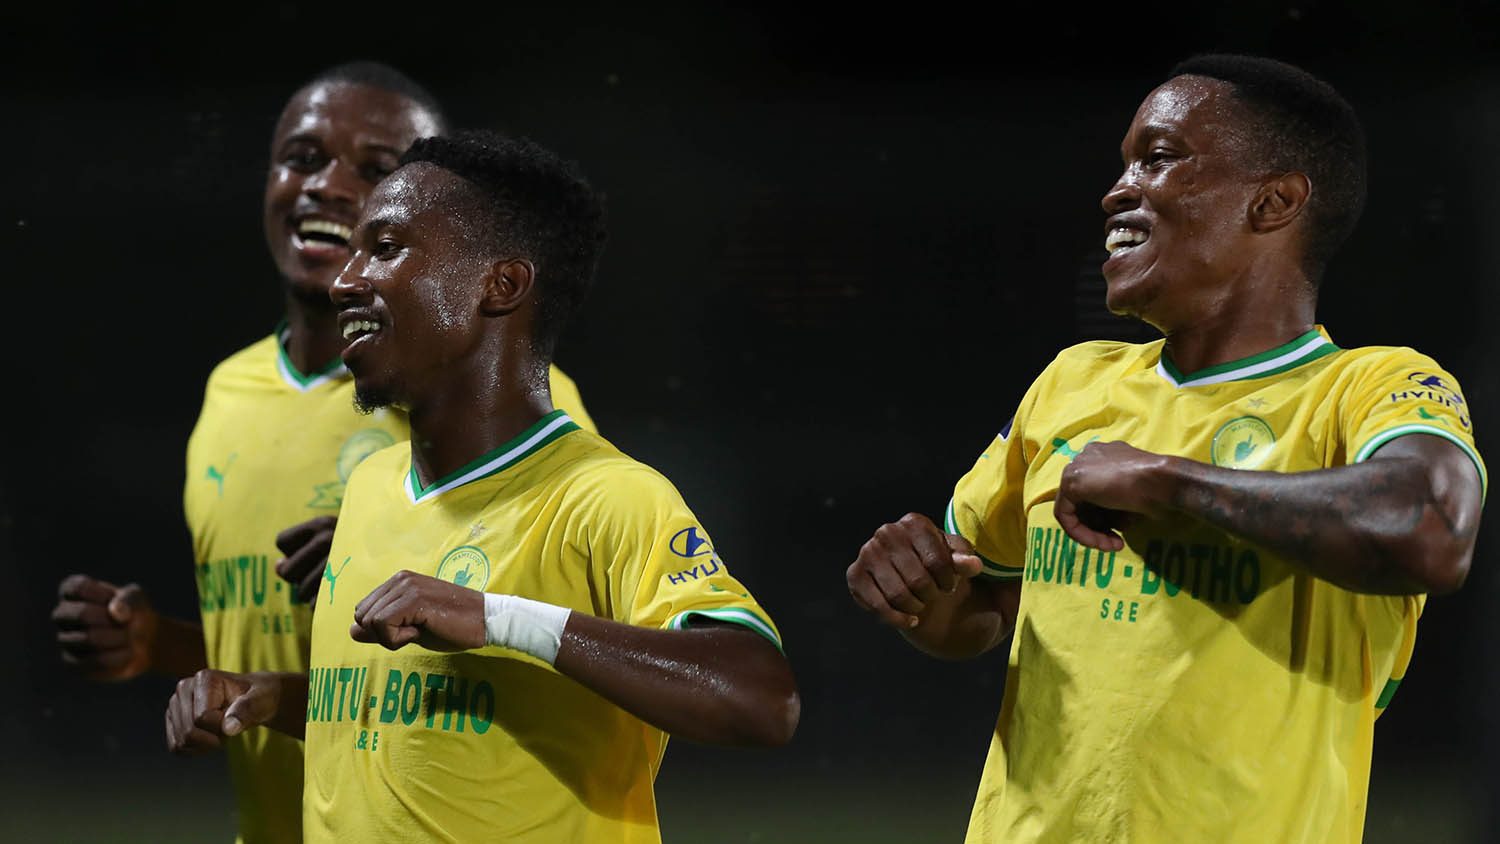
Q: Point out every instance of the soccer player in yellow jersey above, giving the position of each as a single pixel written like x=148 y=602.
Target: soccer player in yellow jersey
x=516 y=614
x=276 y=441
x=1212 y=549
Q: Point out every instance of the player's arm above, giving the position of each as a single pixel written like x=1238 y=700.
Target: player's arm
x=922 y=581
x=1402 y=522
x=716 y=684
x=210 y=706
x=113 y=633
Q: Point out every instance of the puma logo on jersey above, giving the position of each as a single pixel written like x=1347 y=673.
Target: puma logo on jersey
x=333 y=577
x=1060 y=446
x=217 y=476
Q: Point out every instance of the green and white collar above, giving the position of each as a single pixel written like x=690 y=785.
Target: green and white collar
x=1308 y=347
x=527 y=443
x=289 y=373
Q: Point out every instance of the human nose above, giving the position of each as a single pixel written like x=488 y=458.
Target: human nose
x=335 y=181
x=1124 y=195
x=351 y=287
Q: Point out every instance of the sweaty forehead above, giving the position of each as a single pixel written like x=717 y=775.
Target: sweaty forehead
x=359 y=112
x=421 y=193
x=1189 y=104
x=1202 y=110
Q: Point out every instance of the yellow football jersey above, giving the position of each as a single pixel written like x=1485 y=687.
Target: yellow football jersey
x=272 y=447
x=493 y=745
x=1193 y=686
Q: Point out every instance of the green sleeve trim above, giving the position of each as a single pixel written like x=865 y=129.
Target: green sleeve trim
x=988 y=573
x=992 y=570
x=1386 y=436
x=1387 y=693
x=731 y=615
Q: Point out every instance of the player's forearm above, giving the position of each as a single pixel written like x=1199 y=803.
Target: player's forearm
x=1375 y=527
x=714 y=684
x=177 y=648
x=963 y=625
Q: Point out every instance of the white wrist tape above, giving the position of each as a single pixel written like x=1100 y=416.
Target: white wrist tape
x=523 y=624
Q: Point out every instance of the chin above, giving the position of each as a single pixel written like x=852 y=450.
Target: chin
x=369 y=398
x=1127 y=297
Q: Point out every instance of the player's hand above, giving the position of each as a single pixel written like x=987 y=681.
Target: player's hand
x=1106 y=488
x=907 y=565
x=306 y=548
x=411 y=607
x=213 y=705
x=107 y=631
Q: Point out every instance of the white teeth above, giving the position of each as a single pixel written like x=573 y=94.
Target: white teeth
x=360 y=326
x=338 y=230
x=1123 y=237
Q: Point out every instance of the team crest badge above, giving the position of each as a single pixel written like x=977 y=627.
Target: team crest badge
x=465 y=566
x=361 y=444
x=1242 y=443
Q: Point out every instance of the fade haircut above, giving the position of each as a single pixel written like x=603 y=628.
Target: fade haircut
x=539 y=207
x=1301 y=124
x=385 y=78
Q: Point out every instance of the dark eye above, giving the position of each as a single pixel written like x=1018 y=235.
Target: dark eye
x=1159 y=156
x=385 y=247
x=306 y=159
x=373 y=173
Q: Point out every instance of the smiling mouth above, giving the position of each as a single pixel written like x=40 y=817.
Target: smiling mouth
x=355 y=329
x=1124 y=238
x=313 y=231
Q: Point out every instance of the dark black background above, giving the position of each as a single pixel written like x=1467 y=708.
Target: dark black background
x=843 y=242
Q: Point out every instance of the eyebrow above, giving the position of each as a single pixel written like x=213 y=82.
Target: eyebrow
x=381 y=222
x=1149 y=132
x=375 y=146
x=300 y=138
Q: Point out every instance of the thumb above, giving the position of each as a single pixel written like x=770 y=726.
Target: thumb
x=966 y=561
x=127 y=601
x=968 y=565
x=248 y=710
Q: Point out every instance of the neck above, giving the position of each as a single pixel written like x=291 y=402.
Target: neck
x=1246 y=319
x=312 y=333
x=467 y=414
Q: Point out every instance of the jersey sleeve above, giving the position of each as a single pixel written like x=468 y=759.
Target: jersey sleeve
x=1408 y=393
x=664 y=570
x=565 y=396
x=988 y=508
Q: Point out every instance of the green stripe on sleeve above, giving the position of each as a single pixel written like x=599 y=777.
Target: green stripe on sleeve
x=731 y=615
x=1386 y=694
x=1386 y=436
x=992 y=570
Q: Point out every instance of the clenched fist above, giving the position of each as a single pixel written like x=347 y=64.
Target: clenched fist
x=905 y=566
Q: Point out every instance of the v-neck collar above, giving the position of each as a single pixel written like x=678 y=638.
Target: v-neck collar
x=546 y=430
x=1309 y=347
x=298 y=380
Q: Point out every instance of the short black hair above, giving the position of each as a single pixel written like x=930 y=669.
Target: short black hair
x=386 y=78
x=1302 y=125
x=540 y=207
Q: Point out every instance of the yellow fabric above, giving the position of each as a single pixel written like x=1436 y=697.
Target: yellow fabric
x=1191 y=687
x=493 y=745
x=271 y=448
